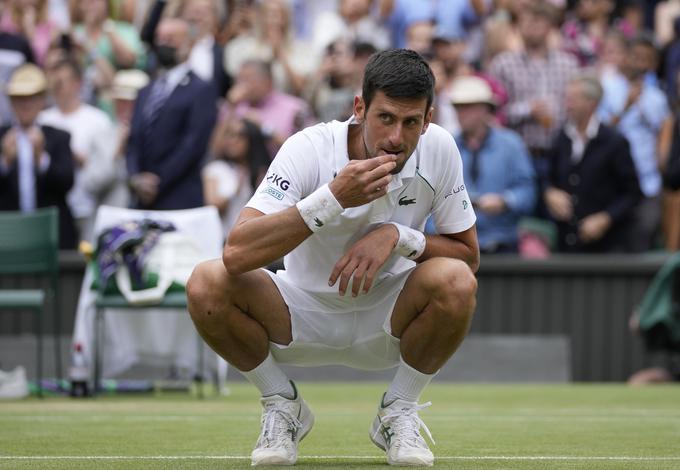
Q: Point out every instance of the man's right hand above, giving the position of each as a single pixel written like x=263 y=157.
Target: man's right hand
x=363 y=181
x=9 y=148
x=145 y=186
x=559 y=204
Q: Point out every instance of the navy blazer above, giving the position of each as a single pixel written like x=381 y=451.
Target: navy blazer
x=175 y=145
x=604 y=180
x=51 y=186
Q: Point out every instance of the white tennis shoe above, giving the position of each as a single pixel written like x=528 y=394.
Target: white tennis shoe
x=285 y=423
x=396 y=430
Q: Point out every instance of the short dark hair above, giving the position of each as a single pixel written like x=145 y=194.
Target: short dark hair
x=399 y=73
x=71 y=64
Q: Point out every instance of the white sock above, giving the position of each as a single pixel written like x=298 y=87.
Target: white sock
x=270 y=379
x=408 y=384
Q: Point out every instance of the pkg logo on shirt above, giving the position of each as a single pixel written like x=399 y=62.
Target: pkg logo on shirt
x=275 y=193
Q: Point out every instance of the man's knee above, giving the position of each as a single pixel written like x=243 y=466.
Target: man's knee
x=207 y=287
x=452 y=285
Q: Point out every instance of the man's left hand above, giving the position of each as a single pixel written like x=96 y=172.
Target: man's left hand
x=593 y=227
x=363 y=260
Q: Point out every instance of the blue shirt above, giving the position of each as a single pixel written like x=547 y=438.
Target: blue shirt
x=640 y=125
x=502 y=166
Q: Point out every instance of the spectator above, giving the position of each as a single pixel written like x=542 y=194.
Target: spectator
x=30 y=19
x=36 y=166
x=171 y=124
x=639 y=110
x=592 y=188
x=292 y=61
x=535 y=79
x=613 y=54
x=253 y=96
x=116 y=41
x=92 y=143
x=583 y=34
x=443 y=112
x=352 y=21
x=126 y=86
x=14 y=51
x=239 y=162
x=497 y=168
x=207 y=56
x=398 y=15
x=332 y=92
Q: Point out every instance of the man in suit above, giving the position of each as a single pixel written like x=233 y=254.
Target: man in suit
x=592 y=185
x=36 y=165
x=171 y=126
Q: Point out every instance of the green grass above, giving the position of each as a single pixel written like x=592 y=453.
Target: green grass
x=475 y=426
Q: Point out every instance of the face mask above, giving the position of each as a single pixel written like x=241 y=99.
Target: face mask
x=166 y=55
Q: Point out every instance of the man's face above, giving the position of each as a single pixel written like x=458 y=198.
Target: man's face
x=640 y=59
x=27 y=108
x=63 y=84
x=392 y=125
x=534 y=29
x=175 y=34
x=472 y=117
x=578 y=106
x=123 y=109
x=258 y=85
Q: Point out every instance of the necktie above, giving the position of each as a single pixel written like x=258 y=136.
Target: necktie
x=26 y=163
x=156 y=99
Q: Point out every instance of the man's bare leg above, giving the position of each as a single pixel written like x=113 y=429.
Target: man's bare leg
x=431 y=317
x=238 y=316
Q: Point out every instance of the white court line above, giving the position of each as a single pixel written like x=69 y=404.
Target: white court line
x=340 y=457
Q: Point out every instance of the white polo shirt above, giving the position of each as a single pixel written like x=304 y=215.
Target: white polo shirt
x=431 y=182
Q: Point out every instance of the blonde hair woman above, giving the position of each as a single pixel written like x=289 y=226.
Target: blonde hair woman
x=30 y=19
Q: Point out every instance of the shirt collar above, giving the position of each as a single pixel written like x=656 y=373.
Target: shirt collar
x=176 y=75
x=591 y=130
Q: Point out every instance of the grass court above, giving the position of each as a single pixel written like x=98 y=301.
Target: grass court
x=475 y=427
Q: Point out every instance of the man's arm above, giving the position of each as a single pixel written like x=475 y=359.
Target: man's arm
x=259 y=239
x=463 y=246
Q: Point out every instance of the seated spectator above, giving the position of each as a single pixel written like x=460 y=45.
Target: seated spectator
x=272 y=40
x=92 y=143
x=173 y=119
x=639 y=110
x=36 y=166
x=239 y=161
x=498 y=171
x=398 y=15
x=253 y=96
x=30 y=19
x=592 y=188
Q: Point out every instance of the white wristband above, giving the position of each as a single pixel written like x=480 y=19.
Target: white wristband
x=319 y=208
x=411 y=243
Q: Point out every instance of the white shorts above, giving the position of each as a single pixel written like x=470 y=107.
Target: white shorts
x=358 y=337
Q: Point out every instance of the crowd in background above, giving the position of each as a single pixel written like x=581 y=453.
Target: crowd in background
x=565 y=112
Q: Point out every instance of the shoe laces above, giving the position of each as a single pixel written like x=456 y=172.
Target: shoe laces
x=279 y=426
x=406 y=424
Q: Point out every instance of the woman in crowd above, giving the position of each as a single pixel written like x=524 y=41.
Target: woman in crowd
x=238 y=164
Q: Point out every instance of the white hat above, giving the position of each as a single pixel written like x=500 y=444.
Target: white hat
x=471 y=90
x=127 y=83
x=26 y=80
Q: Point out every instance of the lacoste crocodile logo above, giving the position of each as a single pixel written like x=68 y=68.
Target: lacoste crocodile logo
x=405 y=202
x=318 y=222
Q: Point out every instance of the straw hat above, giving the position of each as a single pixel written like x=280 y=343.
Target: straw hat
x=26 y=80
x=471 y=90
x=127 y=83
